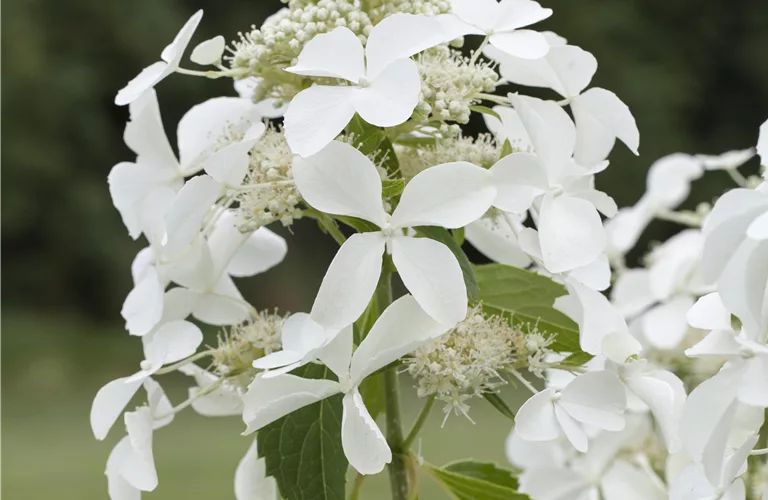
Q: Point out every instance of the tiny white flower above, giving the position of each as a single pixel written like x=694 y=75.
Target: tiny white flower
x=169 y=63
x=341 y=180
x=400 y=329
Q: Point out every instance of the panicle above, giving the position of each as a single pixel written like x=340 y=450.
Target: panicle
x=450 y=84
x=482 y=150
x=467 y=361
x=272 y=196
x=239 y=345
x=427 y=7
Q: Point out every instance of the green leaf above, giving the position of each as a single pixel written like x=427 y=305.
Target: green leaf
x=501 y=405
x=506 y=149
x=487 y=471
x=372 y=391
x=367 y=137
x=411 y=141
x=392 y=187
x=458 y=236
x=388 y=157
x=444 y=236
x=577 y=359
x=359 y=225
x=527 y=298
x=485 y=110
x=303 y=449
x=470 y=480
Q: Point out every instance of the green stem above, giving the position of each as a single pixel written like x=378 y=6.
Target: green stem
x=419 y=423
x=185 y=361
x=357 y=487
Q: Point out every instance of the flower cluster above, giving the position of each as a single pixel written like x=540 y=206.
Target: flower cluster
x=371 y=97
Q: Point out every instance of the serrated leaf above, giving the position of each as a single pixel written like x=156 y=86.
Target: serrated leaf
x=487 y=471
x=486 y=111
x=475 y=482
x=392 y=187
x=499 y=403
x=527 y=299
x=303 y=449
x=444 y=236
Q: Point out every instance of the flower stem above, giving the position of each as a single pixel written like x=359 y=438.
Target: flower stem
x=479 y=51
x=357 y=487
x=183 y=362
x=419 y=423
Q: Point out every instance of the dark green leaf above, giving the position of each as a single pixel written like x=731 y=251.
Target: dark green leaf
x=392 y=187
x=359 y=225
x=506 y=149
x=485 y=110
x=487 y=471
x=476 y=481
x=303 y=450
x=372 y=390
x=367 y=137
x=501 y=405
x=527 y=298
x=458 y=236
x=444 y=236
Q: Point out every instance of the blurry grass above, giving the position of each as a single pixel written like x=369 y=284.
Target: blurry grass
x=52 y=367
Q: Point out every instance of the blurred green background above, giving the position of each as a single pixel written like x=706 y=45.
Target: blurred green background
x=695 y=74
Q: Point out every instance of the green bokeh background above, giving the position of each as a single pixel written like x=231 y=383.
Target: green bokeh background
x=695 y=74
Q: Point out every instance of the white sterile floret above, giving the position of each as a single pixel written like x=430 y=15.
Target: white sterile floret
x=251 y=480
x=426 y=7
x=467 y=361
x=560 y=192
x=596 y=398
x=169 y=63
x=495 y=235
x=601 y=117
x=400 y=329
x=268 y=193
x=450 y=83
x=501 y=22
x=381 y=82
x=341 y=180
x=482 y=150
x=209 y=51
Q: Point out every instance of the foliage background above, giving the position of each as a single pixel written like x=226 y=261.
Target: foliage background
x=695 y=75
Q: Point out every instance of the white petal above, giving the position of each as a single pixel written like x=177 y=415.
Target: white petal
x=620 y=346
x=400 y=36
x=551 y=130
x=144 y=81
x=762 y=146
x=669 y=179
x=665 y=325
x=129 y=184
x=753 y=389
x=623 y=481
x=601 y=201
x=143 y=307
x=727 y=160
x=525 y=44
x=316 y=116
x=269 y=399
x=570 y=233
x=624 y=229
x=261 y=251
x=535 y=420
x=222 y=306
x=145 y=135
x=364 y=444
x=758 y=229
x=742 y=285
x=572 y=429
x=139 y=467
x=251 y=480
x=497 y=241
x=184 y=218
x=337 y=354
x=717 y=343
x=519 y=178
x=341 y=180
x=401 y=328
x=565 y=69
x=278 y=359
x=510 y=128
x=533 y=454
x=514 y=14
x=173 y=342
x=480 y=13
x=229 y=165
x=109 y=403
x=301 y=334
x=350 y=281
x=337 y=54
x=709 y=313
x=432 y=274
x=175 y=50
x=664 y=394
x=117 y=487
x=159 y=404
x=597 y=318
x=600 y=118
x=201 y=127
x=596 y=398
x=392 y=96
x=209 y=51
x=596 y=275
x=450 y=195
x=551 y=483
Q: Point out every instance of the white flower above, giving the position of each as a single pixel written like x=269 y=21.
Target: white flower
x=495 y=237
x=601 y=117
x=171 y=57
x=401 y=328
x=201 y=130
x=500 y=21
x=385 y=83
x=172 y=342
x=595 y=398
x=251 y=480
x=561 y=193
x=341 y=180
x=667 y=185
x=209 y=51
x=225 y=400
x=131 y=465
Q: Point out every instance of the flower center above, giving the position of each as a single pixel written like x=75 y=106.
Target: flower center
x=345 y=381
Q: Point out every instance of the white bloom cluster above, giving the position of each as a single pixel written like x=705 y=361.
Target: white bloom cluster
x=369 y=86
